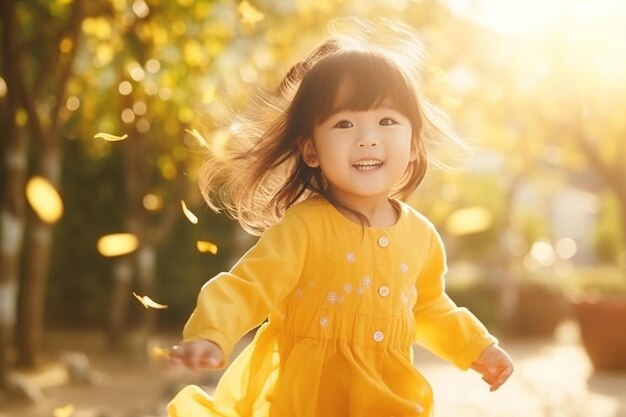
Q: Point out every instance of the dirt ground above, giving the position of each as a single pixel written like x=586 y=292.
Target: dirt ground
x=552 y=378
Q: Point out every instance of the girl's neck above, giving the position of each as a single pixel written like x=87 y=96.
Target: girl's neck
x=380 y=212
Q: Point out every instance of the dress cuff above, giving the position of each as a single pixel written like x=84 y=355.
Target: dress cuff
x=473 y=349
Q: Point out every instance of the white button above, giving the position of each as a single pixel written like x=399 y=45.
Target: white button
x=383 y=241
x=383 y=291
x=378 y=336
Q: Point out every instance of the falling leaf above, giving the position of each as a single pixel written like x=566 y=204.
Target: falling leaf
x=249 y=14
x=109 y=137
x=157 y=353
x=203 y=142
x=148 y=302
x=44 y=199
x=65 y=411
x=190 y=216
x=117 y=244
x=204 y=246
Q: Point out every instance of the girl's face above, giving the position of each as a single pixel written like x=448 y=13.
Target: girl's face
x=362 y=154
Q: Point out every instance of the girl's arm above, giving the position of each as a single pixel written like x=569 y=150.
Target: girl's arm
x=451 y=332
x=232 y=303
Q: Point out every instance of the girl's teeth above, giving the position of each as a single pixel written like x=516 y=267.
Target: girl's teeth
x=367 y=165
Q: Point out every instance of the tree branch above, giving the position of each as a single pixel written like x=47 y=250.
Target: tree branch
x=610 y=174
x=66 y=71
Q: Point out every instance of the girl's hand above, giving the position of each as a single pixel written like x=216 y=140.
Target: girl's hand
x=495 y=365
x=197 y=354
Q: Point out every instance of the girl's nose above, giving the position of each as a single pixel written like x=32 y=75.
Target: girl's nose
x=367 y=140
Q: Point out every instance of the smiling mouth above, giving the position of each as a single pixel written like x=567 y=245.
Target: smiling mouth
x=367 y=164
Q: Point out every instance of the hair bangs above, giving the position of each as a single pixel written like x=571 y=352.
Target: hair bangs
x=359 y=81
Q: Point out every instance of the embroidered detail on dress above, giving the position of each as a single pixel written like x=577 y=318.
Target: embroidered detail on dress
x=299 y=293
x=366 y=281
x=324 y=321
x=350 y=257
x=404 y=268
x=360 y=290
x=311 y=283
x=347 y=288
x=332 y=297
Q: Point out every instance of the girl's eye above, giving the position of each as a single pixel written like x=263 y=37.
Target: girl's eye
x=387 y=121
x=343 y=124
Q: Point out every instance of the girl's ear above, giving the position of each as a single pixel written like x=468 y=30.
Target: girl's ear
x=309 y=154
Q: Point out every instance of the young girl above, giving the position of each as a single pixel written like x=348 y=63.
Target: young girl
x=347 y=275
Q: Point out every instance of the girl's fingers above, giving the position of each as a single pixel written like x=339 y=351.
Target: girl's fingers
x=196 y=355
x=502 y=378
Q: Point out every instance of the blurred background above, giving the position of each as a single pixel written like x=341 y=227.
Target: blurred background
x=534 y=219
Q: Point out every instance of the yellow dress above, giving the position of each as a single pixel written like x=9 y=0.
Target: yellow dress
x=343 y=305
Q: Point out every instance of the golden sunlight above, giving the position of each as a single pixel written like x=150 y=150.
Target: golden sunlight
x=536 y=18
x=249 y=14
x=44 y=199
x=117 y=244
x=469 y=220
x=578 y=38
x=157 y=353
x=65 y=411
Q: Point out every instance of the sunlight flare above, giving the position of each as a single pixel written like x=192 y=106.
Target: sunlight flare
x=44 y=199
x=65 y=411
x=469 y=220
x=117 y=244
x=249 y=14
x=158 y=353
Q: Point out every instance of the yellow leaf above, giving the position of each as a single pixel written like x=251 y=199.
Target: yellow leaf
x=249 y=14
x=190 y=216
x=109 y=137
x=117 y=244
x=201 y=140
x=157 y=353
x=148 y=302
x=204 y=246
x=44 y=199
x=65 y=411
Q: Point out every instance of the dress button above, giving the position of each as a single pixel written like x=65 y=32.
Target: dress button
x=383 y=241
x=384 y=291
x=378 y=336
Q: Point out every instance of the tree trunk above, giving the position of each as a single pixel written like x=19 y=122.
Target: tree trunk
x=35 y=280
x=120 y=296
x=135 y=222
x=13 y=205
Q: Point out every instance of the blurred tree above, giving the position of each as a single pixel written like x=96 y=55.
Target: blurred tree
x=44 y=97
x=14 y=166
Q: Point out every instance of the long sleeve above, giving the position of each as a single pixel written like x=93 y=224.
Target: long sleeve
x=232 y=303
x=450 y=332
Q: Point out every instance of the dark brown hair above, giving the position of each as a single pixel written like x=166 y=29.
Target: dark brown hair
x=262 y=173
